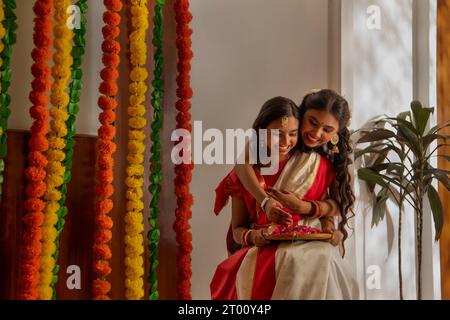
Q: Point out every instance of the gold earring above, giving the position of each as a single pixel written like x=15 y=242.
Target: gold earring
x=284 y=121
x=335 y=141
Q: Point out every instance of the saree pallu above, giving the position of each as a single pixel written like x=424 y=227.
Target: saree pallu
x=283 y=270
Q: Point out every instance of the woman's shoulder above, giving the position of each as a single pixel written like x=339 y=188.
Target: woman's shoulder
x=327 y=164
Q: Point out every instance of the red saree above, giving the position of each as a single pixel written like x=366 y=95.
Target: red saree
x=318 y=173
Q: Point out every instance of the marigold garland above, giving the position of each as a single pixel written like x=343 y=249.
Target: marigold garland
x=38 y=144
x=8 y=28
x=155 y=160
x=134 y=226
x=183 y=171
x=106 y=147
x=77 y=53
x=55 y=169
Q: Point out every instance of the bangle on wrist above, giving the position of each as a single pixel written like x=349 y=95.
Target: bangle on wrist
x=264 y=202
x=318 y=210
x=244 y=237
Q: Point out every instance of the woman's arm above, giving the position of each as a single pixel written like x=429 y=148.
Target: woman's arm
x=273 y=208
x=328 y=207
x=240 y=225
x=248 y=178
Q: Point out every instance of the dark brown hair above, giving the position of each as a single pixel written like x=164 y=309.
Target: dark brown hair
x=274 y=109
x=330 y=101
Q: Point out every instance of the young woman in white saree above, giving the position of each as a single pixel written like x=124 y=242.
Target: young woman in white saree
x=311 y=188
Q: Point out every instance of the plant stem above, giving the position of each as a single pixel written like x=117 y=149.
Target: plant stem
x=420 y=247
x=400 y=278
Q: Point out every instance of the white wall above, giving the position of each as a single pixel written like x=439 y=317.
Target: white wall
x=245 y=53
x=381 y=75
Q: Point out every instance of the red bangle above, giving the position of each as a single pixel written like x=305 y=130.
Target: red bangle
x=246 y=235
x=316 y=210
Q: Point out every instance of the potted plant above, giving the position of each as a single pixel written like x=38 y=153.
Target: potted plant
x=396 y=165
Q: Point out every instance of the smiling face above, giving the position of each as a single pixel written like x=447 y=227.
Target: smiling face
x=288 y=135
x=318 y=127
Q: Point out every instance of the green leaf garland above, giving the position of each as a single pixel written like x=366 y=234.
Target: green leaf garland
x=153 y=235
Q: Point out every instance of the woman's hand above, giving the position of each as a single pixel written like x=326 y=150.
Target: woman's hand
x=337 y=235
x=276 y=214
x=288 y=199
x=336 y=238
x=257 y=238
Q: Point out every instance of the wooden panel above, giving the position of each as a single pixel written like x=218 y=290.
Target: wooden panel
x=77 y=237
x=443 y=109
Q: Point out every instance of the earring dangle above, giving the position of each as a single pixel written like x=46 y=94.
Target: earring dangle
x=335 y=141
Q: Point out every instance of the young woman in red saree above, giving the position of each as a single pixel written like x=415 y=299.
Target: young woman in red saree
x=259 y=269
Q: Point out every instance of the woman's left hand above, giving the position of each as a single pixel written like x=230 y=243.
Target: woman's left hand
x=287 y=199
x=336 y=237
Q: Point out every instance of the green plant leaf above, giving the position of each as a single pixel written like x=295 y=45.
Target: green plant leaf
x=379 y=208
x=409 y=138
x=403 y=115
x=369 y=175
x=376 y=135
x=429 y=138
x=436 y=208
x=421 y=116
x=369 y=149
x=439 y=174
x=396 y=122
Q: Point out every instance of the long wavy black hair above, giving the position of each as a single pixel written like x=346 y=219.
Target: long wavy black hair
x=330 y=101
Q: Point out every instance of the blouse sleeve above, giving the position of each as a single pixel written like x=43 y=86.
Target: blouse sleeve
x=229 y=186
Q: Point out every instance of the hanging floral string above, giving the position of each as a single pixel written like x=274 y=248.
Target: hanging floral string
x=79 y=43
x=183 y=171
x=106 y=147
x=8 y=28
x=134 y=225
x=55 y=169
x=38 y=144
x=155 y=160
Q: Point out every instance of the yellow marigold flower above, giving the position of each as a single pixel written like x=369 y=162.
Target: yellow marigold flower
x=56 y=113
x=56 y=142
x=134 y=182
x=59 y=127
x=53 y=180
x=136 y=110
x=52 y=195
x=137 y=88
x=135 y=158
x=135 y=206
x=138 y=74
x=134 y=194
x=55 y=167
x=51 y=219
x=137 y=122
x=45 y=292
x=136 y=146
x=135 y=228
x=136 y=100
x=135 y=170
x=136 y=135
x=56 y=155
